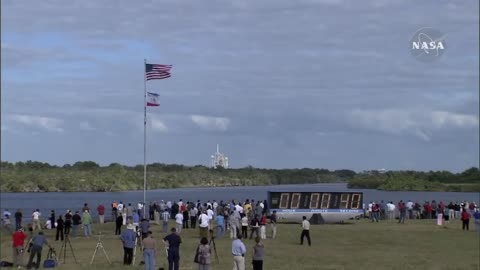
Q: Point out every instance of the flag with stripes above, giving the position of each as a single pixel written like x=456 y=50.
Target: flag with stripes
x=152 y=99
x=157 y=71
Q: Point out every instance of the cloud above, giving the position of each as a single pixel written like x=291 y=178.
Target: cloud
x=86 y=126
x=447 y=119
x=211 y=123
x=419 y=123
x=42 y=122
x=158 y=125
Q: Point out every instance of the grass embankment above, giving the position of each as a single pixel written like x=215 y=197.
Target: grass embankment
x=361 y=245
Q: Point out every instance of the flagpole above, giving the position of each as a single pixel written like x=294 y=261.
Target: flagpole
x=144 y=137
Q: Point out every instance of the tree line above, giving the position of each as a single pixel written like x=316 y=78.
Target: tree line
x=34 y=176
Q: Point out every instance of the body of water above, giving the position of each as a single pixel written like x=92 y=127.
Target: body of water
x=61 y=201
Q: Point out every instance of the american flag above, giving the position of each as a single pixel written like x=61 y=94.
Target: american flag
x=157 y=71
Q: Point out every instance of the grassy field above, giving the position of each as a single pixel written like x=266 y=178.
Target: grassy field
x=359 y=245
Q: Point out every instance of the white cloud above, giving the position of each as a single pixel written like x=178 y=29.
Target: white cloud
x=419 y=123
x=86 y=126
x=211 y=123
x=159 y=125
x=442 y=118
x=47 y=123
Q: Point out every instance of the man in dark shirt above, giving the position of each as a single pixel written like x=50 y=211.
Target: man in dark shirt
x=76 y=221
x=144 y=228
x=18 y=219
x=174 y=242
x=68 y=221
x=60 y=225
x=37 y=244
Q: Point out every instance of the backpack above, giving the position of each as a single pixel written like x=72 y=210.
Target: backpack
x=51 y=261
x=5 y=264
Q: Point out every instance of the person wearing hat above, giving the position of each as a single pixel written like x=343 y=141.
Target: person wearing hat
x=18 y=243
x=128 y=239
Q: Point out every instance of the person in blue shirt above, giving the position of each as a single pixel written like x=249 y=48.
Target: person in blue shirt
x=238 y=252
x=37 y=245
x=128 y=239
x=476 y=215
x=220 y=225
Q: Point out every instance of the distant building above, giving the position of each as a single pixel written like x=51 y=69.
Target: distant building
x=219 y=160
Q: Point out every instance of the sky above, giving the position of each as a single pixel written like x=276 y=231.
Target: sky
x=276 y=83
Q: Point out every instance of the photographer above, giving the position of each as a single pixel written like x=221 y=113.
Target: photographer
x=36 y=249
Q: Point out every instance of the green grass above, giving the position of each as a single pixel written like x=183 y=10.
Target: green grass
x=361 y=245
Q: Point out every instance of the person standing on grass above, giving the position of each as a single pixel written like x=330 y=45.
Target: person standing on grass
x=101 y=213
x=305 y=231
x=465 y=219
x=76 y=221
x=165 y=218
x=128 y=239
x=204 y=255
x=238 y=252
x=258 y=254
x=118 y=225
x=60 y=228
x=18 y=247
x=403 y=211
x=193 y=212
x=476 y=215
x=173 y=240
x=263 y=224
x=36 y=220
x=149 y=250
x=203 y=224
x=68 y=221
x=273 y=223
x=179 y=221
x=87 y=223
x=18 y=219
x=144 y=228
x=220 y=225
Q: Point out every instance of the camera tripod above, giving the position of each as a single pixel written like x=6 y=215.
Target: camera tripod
x=99 y=245
x=137 y=236
x=63 y=250
x=212 y=242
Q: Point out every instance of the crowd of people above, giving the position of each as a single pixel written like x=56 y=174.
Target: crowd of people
x=237 y=220
x=463 y=211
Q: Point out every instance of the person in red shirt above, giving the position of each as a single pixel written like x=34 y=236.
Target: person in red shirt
x=101 y=213
x=18 y=247
x=465 y=219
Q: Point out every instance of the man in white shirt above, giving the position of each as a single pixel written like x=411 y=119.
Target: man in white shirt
x=203 y=224
x=409 y=206
x=120 y=207
x=36 y=220
x=179 y=222
x=140 y=208
x=238 y=208
x=210 y=217
x=305 y=231
x=391 y=210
